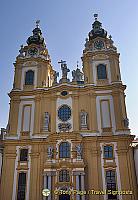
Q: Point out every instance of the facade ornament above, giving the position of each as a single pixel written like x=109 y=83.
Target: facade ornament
x=84 y=120
x=126 y=122
x=21 y=52
x=46 y=121
x=65 y=71
x=77 y=75
x=64 y=127
x=55 y=75
x=50 y=152
x=79 y=151
x=44 y=83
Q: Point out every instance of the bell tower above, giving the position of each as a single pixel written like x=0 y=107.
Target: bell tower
x=101 y=70
x=33 y=67
x=33 y=72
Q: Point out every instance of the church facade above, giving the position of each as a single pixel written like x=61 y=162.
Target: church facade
x=68 y=139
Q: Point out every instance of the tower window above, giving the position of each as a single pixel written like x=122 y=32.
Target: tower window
x=21 y=186
x=23 y=154
x=101 y=71
x=108 y=152
x=64 y=150
x=111 y=183
x=29 y=77
x=64 y=176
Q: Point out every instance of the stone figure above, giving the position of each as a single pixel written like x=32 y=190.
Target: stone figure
x=46 y=121
x=126 y=122
x=21 y=52
x=44 y=83
x=55 y=75
x=84 y=120
x=50 y=152
x=65 y=71
x=79 y=151
x=77 y=75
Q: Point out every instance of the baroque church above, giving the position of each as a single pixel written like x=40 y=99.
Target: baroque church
x=68 y=139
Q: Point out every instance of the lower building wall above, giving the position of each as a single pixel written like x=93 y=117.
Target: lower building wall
x=91 y=168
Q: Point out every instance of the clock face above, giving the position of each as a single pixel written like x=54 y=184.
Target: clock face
x=32 y=51
x=99 y=44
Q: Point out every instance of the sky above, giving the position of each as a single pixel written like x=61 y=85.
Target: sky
x=65 y=25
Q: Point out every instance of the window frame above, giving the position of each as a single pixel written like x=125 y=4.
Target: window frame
x=64 y=176
x=64 y=150
x=30 y=80
x=21 y=188
x=100 y=75
x=22 y=158
x=111 y=183
x=60 y=117
x=108 y=153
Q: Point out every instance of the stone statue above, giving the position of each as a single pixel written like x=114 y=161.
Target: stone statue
x=46 y=121
x=21 y=51
x=65 y=71
x=79 y=151
x=77 y=75
x=126 y=122
x=56 y=74
x=84 y=120
x=44 y=83
x=50 y=152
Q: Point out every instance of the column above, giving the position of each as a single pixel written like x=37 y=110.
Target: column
x=77 y=187
x=49 y=186
x=44 y=187
x=82 y=185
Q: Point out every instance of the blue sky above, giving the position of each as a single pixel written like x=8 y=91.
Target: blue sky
x=65 y=25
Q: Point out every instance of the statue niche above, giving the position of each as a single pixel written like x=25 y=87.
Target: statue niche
x=83 y=120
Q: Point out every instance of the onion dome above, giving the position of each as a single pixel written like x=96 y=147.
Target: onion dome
x=37 y=37
x=97 y=30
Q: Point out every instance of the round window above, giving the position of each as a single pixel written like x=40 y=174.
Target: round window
x=64 y=113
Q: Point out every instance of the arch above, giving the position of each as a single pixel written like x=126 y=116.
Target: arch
x=101 y=71
x=64 y=150
x=29 y=77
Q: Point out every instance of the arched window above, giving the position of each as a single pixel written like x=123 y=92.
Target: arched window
x=64 y=176
x=29 y=77
x=101 y=71
x=64 y=150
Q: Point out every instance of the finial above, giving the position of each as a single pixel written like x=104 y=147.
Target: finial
x=37 y=23
x=95 y=16
x=110 y=37
x=77 y=64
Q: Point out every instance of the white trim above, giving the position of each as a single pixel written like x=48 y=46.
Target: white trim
x=27 y=97
x=15 y=173
x=28 y=175
x=103 y=91
x=94 y=68
x=122 y=132
x=113 y=124
x=22 y=103
x=24 y=70
x=90 y=134
x=117 y=168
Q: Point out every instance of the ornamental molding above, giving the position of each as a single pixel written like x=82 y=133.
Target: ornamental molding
x=30 y=63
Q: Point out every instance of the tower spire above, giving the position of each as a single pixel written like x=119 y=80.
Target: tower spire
x=95 y=16
x=37 y=23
